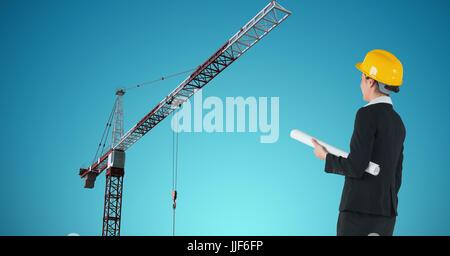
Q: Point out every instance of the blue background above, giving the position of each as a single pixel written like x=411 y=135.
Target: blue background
x=60 y=62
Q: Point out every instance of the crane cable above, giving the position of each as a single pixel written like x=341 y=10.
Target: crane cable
x=175 y=141
x=159 y=79
x=104 y=139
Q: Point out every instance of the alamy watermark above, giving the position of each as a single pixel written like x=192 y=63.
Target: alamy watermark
x=236 y=114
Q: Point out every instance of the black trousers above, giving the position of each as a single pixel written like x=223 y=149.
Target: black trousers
x=360 y=224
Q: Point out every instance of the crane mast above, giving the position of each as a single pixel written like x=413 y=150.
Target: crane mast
x=114 y=175
x=113 y=160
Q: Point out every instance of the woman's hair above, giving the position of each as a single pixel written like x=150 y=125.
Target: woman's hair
x=391 y=88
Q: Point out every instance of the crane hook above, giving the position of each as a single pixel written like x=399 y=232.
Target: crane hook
x=174 y=199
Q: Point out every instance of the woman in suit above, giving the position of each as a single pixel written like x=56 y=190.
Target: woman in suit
x=369 y=203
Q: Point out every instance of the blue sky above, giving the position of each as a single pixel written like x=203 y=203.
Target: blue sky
x=60 y=62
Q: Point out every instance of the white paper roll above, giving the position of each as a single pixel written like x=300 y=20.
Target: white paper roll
x=373 y=168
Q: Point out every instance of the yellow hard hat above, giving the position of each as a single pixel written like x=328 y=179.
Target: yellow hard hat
x=382 y=66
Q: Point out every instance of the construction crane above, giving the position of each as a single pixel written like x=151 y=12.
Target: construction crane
x=113 y=160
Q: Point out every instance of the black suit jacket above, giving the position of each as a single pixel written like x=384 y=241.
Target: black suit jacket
x=378 y=136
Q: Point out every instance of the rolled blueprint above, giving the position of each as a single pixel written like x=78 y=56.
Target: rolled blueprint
x=373 y=168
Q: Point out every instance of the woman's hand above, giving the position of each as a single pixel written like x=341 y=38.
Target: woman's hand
x=319 y=150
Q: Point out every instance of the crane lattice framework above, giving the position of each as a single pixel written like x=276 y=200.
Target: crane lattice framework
x=113 y=161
